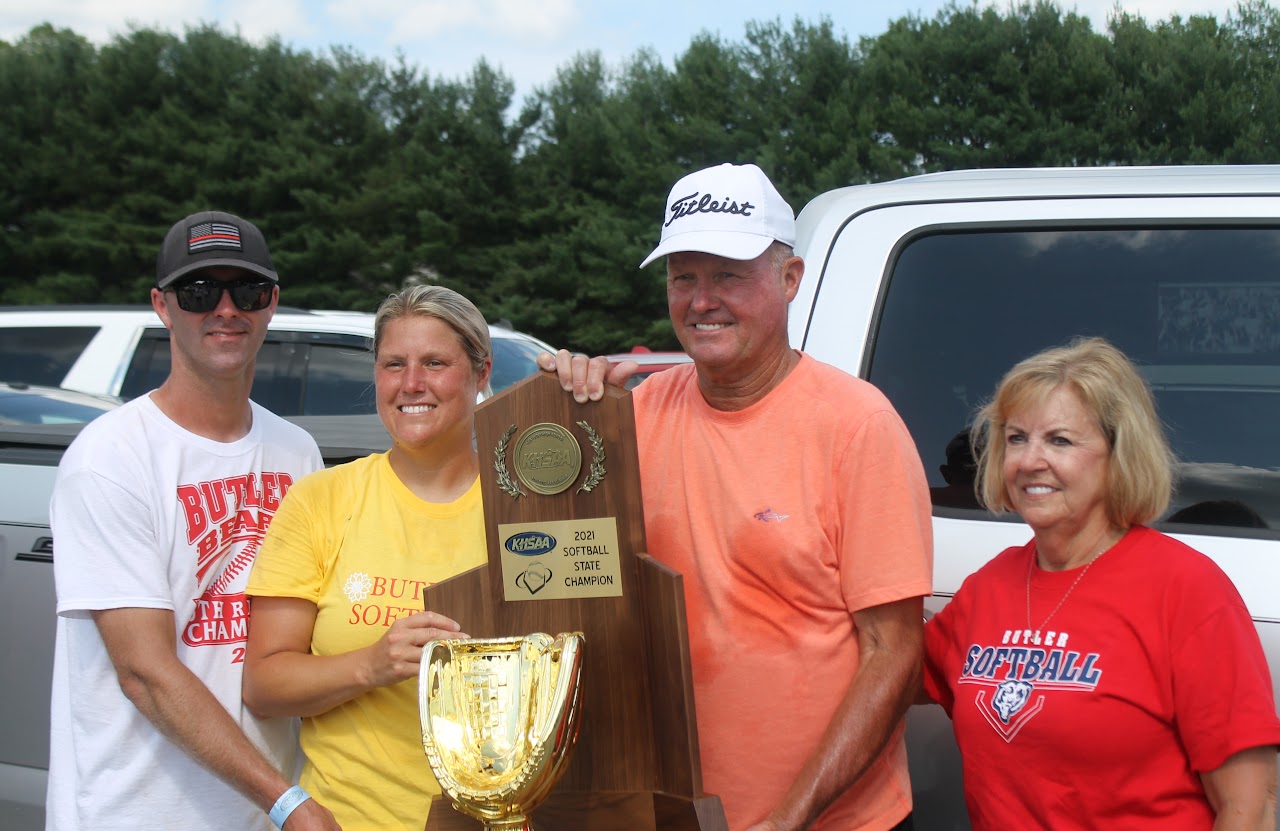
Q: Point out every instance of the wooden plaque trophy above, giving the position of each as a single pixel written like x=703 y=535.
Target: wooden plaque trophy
x=565 y=527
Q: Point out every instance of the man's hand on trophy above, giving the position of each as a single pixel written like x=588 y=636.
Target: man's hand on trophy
x=586 y=377
x=397 y=654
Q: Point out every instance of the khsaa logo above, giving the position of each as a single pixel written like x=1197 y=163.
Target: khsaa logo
x=530 y=543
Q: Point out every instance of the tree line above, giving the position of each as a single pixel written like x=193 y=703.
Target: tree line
x=365 y=174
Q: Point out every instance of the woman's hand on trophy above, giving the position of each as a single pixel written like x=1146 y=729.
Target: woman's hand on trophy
x=586 y=377
x=397 y=654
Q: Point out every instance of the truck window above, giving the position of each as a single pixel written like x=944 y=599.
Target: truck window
x=1198 y=309
x=297 y=373
x=41 y=354
x=339 y=381
x=277 y=376
x=149 y=365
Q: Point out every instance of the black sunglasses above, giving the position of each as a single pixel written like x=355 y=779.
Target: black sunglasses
x=249 y=294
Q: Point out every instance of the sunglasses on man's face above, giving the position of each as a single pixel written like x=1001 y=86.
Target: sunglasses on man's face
x=249 y=294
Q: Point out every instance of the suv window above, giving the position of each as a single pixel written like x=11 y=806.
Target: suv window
x=41 y=354
x=1198 y=309
x=339 y=381
x=296 y=373
x=513 y=359
x=150 y=364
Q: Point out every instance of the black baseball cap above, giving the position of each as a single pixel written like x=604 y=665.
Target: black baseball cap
x=213 y=238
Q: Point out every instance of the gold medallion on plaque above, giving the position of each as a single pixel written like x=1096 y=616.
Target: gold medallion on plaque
x=547 y=458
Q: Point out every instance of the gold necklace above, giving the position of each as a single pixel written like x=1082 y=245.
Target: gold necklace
x=1031 y=565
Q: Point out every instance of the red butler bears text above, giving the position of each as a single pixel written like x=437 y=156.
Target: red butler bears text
x=238 y=508
x=225 y=516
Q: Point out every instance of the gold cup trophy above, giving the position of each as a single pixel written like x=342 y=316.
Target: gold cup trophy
x=499 y=719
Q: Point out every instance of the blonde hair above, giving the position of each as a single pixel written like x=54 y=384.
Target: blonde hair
x=1140 y=472
x=444 y=304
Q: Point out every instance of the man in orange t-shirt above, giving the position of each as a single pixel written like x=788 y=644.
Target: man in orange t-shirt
x=792 y=499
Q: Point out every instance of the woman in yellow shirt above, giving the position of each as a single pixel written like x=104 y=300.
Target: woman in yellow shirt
x=337 y=630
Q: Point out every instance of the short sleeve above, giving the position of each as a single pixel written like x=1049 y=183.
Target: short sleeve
x=291 y=562
x=1222 y=694
x=107 y=556
x=940 y=655
x=886 y=549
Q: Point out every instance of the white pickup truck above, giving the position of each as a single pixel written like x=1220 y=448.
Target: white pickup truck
x=931 y=287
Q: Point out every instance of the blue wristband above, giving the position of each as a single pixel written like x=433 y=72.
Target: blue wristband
x=284 y=806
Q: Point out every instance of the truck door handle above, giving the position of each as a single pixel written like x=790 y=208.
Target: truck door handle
x=41 y=552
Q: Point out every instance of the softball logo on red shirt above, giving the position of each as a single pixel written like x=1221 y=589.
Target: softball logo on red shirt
x=1015 y=675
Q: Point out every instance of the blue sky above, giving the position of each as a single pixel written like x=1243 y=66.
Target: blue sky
x=527 y=39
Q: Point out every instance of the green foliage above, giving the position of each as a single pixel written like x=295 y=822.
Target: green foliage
x=1197 y=91
x=974 y=88
x=366 y=175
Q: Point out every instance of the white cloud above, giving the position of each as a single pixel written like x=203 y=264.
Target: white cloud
x=517 y=20
x=426 y=21
x=550 y=19
x=259 y=21
x=527 y=39
x=100 y=20
x=1152 y=11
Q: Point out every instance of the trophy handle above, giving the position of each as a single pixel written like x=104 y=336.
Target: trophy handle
x=560 y=730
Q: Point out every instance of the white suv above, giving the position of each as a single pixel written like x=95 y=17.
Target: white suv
x=312 y=363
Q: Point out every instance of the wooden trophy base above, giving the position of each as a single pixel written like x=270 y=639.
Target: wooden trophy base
x=635 y=766
x=603 y=811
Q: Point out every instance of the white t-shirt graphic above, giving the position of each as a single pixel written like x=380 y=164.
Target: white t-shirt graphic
x=148 y=515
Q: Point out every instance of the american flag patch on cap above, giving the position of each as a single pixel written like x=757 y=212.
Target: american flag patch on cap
x=213 y=235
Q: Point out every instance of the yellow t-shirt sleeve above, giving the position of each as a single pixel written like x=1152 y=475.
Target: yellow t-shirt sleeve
x=291 y=562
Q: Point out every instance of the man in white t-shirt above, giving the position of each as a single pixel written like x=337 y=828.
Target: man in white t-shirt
x=158 y=510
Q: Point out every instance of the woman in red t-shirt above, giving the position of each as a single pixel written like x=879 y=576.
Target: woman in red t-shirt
x=1103 y=675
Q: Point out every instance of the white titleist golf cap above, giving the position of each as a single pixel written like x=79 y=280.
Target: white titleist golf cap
x=729 y=210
